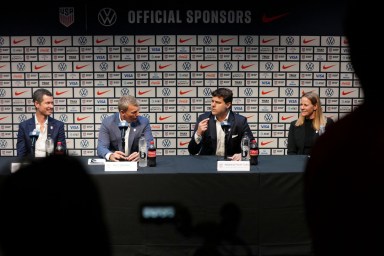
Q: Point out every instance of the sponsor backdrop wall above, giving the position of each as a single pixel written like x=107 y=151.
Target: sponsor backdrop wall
x=171 y=58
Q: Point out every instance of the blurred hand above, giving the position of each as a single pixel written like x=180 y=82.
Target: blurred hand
x=203 y=126
x=235 y=157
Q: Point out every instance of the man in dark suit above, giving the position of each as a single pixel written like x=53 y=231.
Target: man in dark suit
x=110 y=146
x=208 y=136
x=43 y=124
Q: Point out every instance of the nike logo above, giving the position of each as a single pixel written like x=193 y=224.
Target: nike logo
x=81 y=118
x=59 y=41
x=2 y=66
x=144 y=92
x=183 y=143
x=39 y=67
x=161 y=67
x=346 y=93
x=266 y=92
x=285 y=67
x=98 y=41
x=19 y=93
x=268 y=19
x=205 y=66
x=140 y=41
x=264 y=41
x=246 y=66
x=305 y=41
x=2 y=118
x=223 y=41
x=248 y=117
x=122 y=66
x=266 y=142
x=59 y=93
x=81 y=67
x=303 y=92
x=184 y=92
x=18 y=41
x=345 y=41
x=161 y=118
x=101 y=93
x=184 y=40
x=327 y=67
x=286 y=117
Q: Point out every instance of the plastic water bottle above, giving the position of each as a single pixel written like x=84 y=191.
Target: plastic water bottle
x=142 y=151
x=59 y=150
x=245 y=146
x=49 y=146
x=152 y=154
x=254 y=153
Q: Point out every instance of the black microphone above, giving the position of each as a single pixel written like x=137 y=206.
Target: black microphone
x=123 y=126
x=34 y=135
x=226 y=126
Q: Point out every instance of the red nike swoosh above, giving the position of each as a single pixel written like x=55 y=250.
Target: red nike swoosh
x=184 y=92
x=98 y=41
x=39 y=67
x=223 y=41
x=327 y=67
x=183 y=143
x=2 y=118
x=305 y=41
x=140 y=41
x=267 y=19
x=346 y=93
x=286 y=117
x=18 y=41
x=249 y=117
x=19 y=93
x=285 y=67
x=203 y=67
x=59 y=41
x=80 y=67
x=345 y=41
x=59 y=93
x=81 y=118
x=263 y=92
x=264 y=41
x=303 y=92
x=161 y=67
x=265 y=143
x=184 y=40
x=122 y=66
x=2 y=66
x=101 y=93
x=161 y=118
x=246 y=66
x=144 y=92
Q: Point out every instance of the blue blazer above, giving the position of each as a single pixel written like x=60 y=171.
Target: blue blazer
x=208 y=144
x=55 y=131
x=110 y=135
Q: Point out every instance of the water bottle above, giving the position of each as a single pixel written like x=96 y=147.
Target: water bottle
x=49 y=146
x=254 y=153
x=142 y=151
x=245 y=145
x=59 y=150
x=152 y=154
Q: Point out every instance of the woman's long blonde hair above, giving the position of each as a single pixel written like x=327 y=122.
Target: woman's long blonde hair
x=319 y=119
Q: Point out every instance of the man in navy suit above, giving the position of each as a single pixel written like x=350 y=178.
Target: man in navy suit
x=208 y=136
x=41 y=122
x=110 y=146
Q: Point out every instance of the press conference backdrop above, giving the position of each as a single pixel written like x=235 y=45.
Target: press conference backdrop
x=171 y=58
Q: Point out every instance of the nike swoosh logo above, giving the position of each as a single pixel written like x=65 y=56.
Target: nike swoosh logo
x=144 y=92
x=345 y=41
x=223 y=41
x=81 y=118
x=264 y=41
x=140 y=41
x=59 y=93
x=286 y=117
x=18 y=41
x=80 y=67
x=98 y=41
x=205 y=66
x=39 y=67
x=266 y=92
x=346 y=93
x=184 y=92
x=268 y=19
x=161 y=67
x=249 y=117
x=2 y=66
x=183 y=143
x=2 y=118
x=19 y=93
x=246 y=66
x=305 y=41
x=285 y=67
x=59 y=41
x=122 y=66
x=161 y=118
x=266 y=143
x=184 y=40
x=101 y=93
x=327 y=67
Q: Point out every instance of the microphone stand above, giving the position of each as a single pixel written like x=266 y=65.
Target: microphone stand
x=226 y=126
x=34 y=135
x=123 y=126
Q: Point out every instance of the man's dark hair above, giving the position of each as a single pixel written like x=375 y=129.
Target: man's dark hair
x=39 y=93
x=224 y=93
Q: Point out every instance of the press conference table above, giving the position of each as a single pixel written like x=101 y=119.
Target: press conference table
x=268 y=199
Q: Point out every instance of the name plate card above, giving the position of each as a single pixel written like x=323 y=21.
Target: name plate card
x=120 y=166
x=223 y=166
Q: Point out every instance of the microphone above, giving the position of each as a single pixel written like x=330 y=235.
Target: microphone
x=226 y=126
x=123 y=126
x=34 y=135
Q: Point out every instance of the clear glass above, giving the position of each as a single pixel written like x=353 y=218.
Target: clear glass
x=49 y=146
x=142 y=151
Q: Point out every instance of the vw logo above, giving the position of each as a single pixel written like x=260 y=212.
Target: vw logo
x=3 y=143
x=146 y=115
x=165 y=39
x=124 y=91
x=228 y=66
x=187 y=117
x=248 y=40
x=82 y=40
x=186 y=65
x=83 y=92
x=269 y=66
x=330 y=40
x=63 y=118
x=1 y=40
x=22 y=118
x=207 y=92
x=329 y=92
x=166 y=92
x=20 y=66
x=207 y=40
x=40 y=40
x=103 y=116
x=166 y=143
x=124 y=40
x=349 y=67
x=248 y=91
x=310 y=66
x=2 y=93
x=290 y=40
x=107 y=17
x=288 y=92
x=145 y=66
x=268 y=117
x=104 y=66
x=84 y=143
x=62 y=66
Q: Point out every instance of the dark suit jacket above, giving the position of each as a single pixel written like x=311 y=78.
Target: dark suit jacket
x=55 y=131
x=208 y=144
